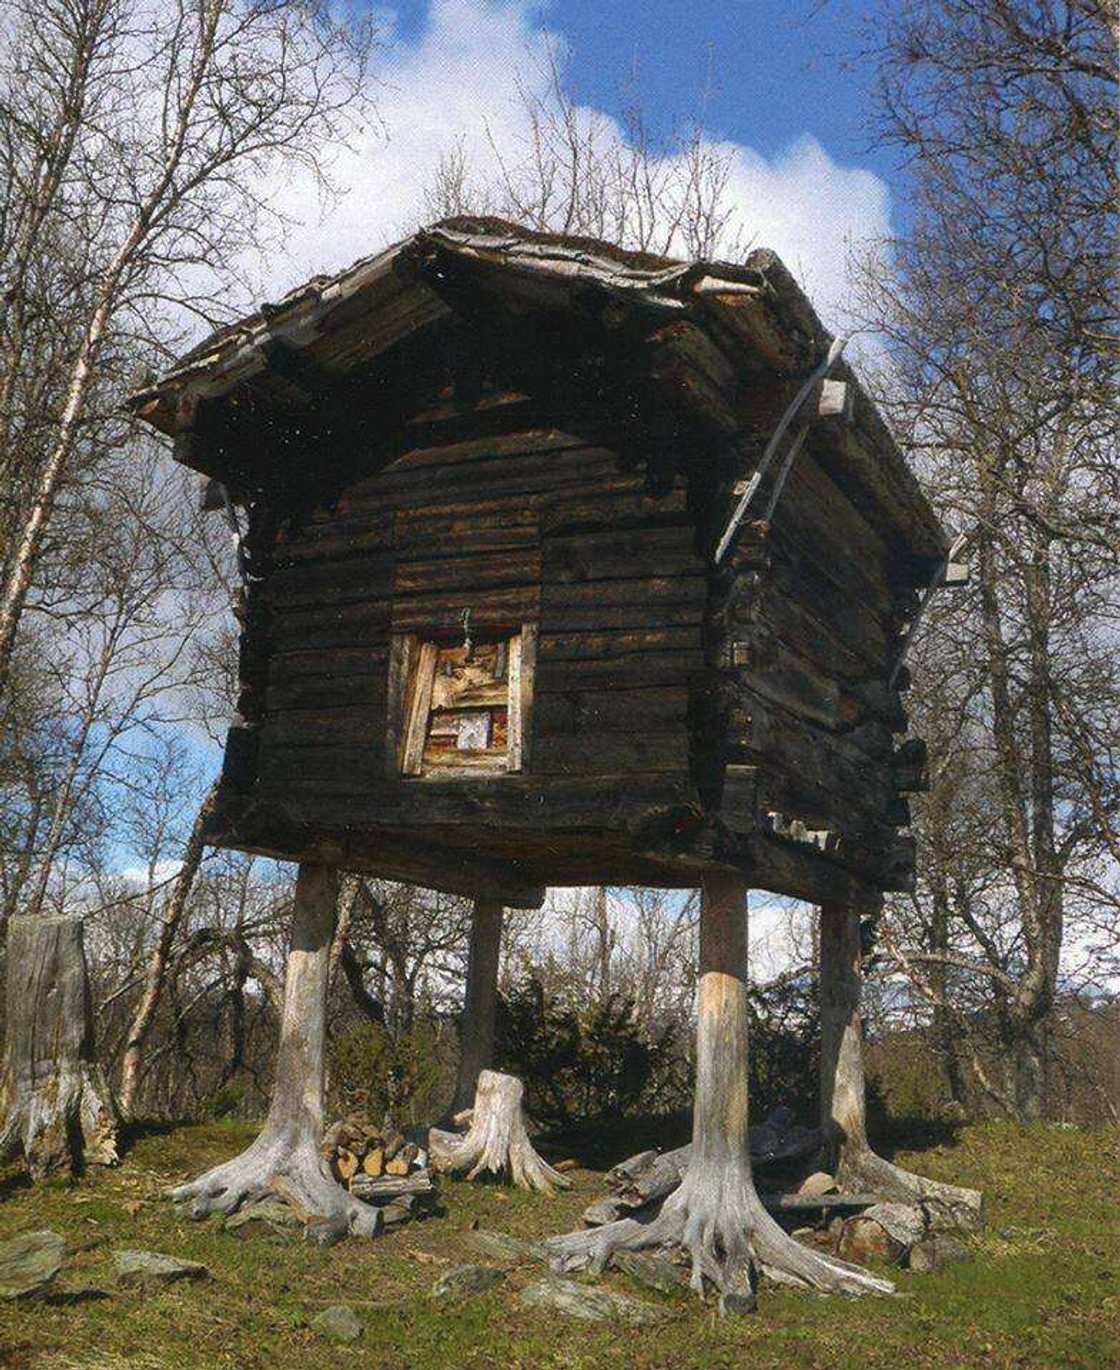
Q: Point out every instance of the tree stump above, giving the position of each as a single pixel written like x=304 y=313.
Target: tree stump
x=285 y=1160
x=847 y=1152
x=497 y=1140
x=55 y=1105
x=716 y=1215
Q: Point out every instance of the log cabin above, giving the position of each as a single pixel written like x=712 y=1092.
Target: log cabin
x=499 y=629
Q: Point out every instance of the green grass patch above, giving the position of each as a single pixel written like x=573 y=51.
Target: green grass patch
x=1044 y=1289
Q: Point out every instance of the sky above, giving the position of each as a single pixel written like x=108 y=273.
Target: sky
x=792 y=116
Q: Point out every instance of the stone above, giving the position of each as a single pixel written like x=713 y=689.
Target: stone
x=140 y=1268
x=28 y=1264
x=589 y=1303
x=269 y=1215
x=337 y=1323
x=465 y=1281
x=655 y=1272
x=906 y=1223
x=935 y=1253
x=820 y=1182
x=502 y=1247
x=603 y=1211
x=862 y=1239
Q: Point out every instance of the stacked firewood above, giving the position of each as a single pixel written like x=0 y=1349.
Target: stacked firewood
x=380 y=1166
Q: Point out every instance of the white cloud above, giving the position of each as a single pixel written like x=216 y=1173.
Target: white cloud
x=462 y=81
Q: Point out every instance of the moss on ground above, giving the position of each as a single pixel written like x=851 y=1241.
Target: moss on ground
x=1043 y=1291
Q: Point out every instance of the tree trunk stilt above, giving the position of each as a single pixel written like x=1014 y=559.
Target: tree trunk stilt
x=480 y=1006
x=55 y=1104
x=497 y=1141
x=716 y=1215
x=284 y=1160
x=847 y=1152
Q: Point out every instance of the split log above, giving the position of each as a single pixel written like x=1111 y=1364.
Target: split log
x=389 y=1188
x=497 y=1141
x=715 y=1214
x=55 y=1104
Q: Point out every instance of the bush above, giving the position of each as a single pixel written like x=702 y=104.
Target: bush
x=408 y=1077
x=587 y=1062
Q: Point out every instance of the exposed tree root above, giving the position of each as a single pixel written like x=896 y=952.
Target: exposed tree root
x=497 y=1140
x=862 y=1171
x=283 y=1165
x=717 y=1220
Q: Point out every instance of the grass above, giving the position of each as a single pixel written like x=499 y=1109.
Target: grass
x=1044 y=1289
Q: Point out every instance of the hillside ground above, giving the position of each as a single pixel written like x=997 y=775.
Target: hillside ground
x=1042 y=1290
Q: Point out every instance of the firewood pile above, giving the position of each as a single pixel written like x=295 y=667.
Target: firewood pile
x=380 y=1166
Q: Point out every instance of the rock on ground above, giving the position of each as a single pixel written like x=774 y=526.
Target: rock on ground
x=655 y=1272
x=934 y=1253
x=588 y=1303
x=820 y=1182
x=338 y=1323
x=502 y=1247
x=463 y=1281
x=28 y=1264
x=135 y=1268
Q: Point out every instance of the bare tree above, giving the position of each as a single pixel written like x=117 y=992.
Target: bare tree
x=1000 y=329
x=136 y=146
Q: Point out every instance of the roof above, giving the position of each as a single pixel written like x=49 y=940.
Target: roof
x=749 y=317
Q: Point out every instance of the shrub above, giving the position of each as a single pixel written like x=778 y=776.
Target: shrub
x=408 y=1077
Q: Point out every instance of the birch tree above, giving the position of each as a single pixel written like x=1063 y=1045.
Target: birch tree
x=138 y=139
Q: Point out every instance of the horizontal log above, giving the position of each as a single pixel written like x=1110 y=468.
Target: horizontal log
x=611 y=753
x=386 y=1188
x=399 y=857
x=285 y=666
x=813 y=761
x=320 y=629
x=801 y=872
x=599 y=711
x=467 y=575
x=775 y=673
x=910 y=766
x=324 y=727
x=498 y=606
x=356 y=798
x=328 y=692
x=593 y=646
x=488 y=447
x=615 y=509
x=622 y=671
x=622 y=553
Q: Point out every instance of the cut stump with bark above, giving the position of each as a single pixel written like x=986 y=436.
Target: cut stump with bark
x=285 y=1161
x=847 y=1153
x=497 y=1141
x=716 y=1216
x=55 y=1104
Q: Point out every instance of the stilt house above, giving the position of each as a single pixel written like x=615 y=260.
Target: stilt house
x=487 y=643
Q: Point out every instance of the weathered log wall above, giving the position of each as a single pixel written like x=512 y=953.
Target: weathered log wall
x=535 y=524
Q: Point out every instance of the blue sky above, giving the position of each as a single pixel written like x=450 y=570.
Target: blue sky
x=790 y=114
x=777 y=70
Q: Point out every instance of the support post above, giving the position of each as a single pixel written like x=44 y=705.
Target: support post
x=715 y=1215
x=843 y=1096
x=481 y=1000
x=284 y=1161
